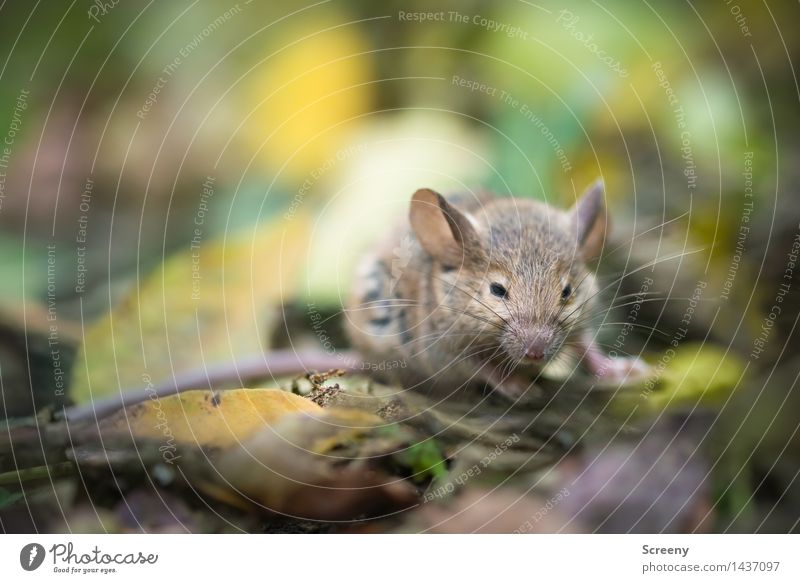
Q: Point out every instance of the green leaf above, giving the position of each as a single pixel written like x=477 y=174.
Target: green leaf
x=8 y=498
x=425 y=460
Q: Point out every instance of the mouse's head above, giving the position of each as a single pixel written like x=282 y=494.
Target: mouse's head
x=511 y=274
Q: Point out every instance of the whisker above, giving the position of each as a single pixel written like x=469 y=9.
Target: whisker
x=644 y=326
x=605 y=309
x=653 y=263
x=621 y=277
x=475 y=298
x=387 y=303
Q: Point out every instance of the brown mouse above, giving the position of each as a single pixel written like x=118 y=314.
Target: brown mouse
x=483 y=292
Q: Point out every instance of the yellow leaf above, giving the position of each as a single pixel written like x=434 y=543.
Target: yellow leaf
x=695 y=374
x=208 y=304
x=209 y=419
x=700 y=373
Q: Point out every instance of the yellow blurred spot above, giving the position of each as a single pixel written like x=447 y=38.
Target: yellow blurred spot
x=305 y=93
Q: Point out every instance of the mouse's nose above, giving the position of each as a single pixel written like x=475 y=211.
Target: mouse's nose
x=537 y=345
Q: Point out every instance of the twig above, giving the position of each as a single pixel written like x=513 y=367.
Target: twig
x=270 y=365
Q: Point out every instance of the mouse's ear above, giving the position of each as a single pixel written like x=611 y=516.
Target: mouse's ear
x=443 y=231
x=589 y=220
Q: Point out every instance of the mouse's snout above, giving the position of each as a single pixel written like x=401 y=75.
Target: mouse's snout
x=536 y=349
x=536 y=343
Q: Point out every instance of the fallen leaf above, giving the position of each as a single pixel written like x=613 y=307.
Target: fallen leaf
x=695 y=374
x=700 y=373
x=206 y=418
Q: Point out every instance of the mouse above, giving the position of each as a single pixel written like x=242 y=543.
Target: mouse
x=483 y=291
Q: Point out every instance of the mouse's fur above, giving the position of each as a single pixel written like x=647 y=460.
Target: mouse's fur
x=425 y=302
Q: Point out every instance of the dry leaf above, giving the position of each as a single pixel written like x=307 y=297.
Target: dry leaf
x=206 y=418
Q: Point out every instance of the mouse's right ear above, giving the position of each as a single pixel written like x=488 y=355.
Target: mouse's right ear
x=590 y=221
x=443 y=231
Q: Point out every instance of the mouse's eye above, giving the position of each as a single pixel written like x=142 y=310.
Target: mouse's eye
x=498 y=290
x=566 y=293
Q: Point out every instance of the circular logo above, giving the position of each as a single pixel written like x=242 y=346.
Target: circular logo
x=31 y=556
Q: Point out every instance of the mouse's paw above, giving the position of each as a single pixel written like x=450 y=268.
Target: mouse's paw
x=622 y=370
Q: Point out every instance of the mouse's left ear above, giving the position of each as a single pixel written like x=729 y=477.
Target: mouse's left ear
x=443 y=231
x=589 y=221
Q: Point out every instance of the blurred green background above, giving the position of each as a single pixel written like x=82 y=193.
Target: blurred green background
x=132 y=129
x=350 y=106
